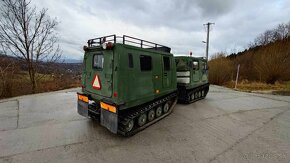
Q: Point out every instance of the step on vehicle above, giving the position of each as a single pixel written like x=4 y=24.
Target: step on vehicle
x=192 y=78
x=127 y=83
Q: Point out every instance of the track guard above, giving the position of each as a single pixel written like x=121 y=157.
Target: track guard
x=83 y=108
x=109 y=120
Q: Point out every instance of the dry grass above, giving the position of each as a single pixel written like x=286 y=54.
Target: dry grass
x=20 y=85
x=246 y=85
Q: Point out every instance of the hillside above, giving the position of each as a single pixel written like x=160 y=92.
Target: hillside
x=267 y=60
x=14 y=78
x=267 y=63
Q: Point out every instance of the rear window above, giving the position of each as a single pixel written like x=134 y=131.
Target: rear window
x=145 y=63
x=98 y=61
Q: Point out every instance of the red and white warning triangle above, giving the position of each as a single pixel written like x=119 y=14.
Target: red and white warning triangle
x=96 y=82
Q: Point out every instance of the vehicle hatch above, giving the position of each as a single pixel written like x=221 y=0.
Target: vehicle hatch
x=98 y=72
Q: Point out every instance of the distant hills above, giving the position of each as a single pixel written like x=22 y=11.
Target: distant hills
x=71 y=66
x=66 y=60
x=73 y=61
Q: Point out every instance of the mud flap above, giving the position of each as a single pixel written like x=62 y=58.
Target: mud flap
x=83 y=108
x=109 y=120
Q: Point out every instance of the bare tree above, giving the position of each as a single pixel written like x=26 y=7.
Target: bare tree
x=281 y=32
x=29 y=34
x=288 y=29
x=264 y=38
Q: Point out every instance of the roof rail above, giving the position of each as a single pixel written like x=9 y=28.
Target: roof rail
x=128 y=40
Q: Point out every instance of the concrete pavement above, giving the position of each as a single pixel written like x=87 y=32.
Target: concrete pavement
x=227 y=126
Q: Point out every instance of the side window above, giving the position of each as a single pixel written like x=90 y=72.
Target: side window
x=203 y=65
x=98 y=61
x=166 y=63
x=145 y=63
x=195 y=65
x=130 y=60
x=182 y=65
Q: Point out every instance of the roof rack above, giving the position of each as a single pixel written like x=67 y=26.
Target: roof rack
x=128 y=40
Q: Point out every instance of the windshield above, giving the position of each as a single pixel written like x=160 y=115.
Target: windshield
x=181 y=64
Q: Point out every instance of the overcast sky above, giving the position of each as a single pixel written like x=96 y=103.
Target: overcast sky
x=177 y=24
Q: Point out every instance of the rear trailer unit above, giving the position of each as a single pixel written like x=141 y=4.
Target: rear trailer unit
x=192 y=78
x=127 y=83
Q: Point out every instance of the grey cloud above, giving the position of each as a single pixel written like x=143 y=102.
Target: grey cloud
x=175 y=23
x=215 y=8
x=149 y=13
x=181 y=14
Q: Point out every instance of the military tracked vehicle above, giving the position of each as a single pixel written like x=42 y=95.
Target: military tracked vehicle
x=192 y=78
x=128 y=83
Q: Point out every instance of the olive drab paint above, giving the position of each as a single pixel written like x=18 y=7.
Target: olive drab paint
x=129 y=83
x=192 y=78
x=191 y=71
x=132 y=85
x=118 y=77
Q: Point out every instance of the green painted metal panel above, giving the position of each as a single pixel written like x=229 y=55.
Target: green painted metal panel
x=123 y=79
x=99 y=73
x=197 y=68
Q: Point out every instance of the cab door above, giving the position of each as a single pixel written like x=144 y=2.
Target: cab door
x=167 y=75
x=99 y=68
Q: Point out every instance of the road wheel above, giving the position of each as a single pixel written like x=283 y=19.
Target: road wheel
x=196 y=95
x=166 y=107
x=142 y=119
x=188 y=98
x=192 y=96
x=202 y=93
x=158 y=111
x=151 y=115
x=199 y=94
x=128 y=126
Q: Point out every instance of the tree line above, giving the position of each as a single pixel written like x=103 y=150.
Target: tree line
x=14 y=76
x=267 y=59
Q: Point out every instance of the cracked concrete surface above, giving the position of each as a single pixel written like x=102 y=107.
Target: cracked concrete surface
x=227 y=126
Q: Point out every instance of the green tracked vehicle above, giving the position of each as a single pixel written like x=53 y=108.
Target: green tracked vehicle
x=127 y=83
x=192 y=78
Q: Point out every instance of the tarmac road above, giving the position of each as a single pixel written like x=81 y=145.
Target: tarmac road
x=227 y=126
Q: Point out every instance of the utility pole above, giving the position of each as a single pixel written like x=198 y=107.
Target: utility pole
x=237 y=77
x=207 y=38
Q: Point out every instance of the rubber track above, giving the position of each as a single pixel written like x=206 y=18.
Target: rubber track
x=202 y=87
x=136 y=113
